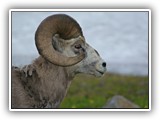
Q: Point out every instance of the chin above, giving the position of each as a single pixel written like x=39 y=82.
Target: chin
x=97 y=74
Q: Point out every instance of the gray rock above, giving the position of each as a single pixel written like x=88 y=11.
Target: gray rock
x=118 y=101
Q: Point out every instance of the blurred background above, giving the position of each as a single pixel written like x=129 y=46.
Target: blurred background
x=121 y=38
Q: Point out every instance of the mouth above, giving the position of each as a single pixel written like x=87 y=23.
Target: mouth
x=100 y=72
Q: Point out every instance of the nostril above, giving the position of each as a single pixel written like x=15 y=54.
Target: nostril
x=104 y=64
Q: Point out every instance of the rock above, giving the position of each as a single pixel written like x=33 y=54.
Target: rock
x=118 y=101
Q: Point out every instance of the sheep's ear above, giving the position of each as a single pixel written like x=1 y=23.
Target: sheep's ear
x=57 y=43
x=60 y=43
x=58 y=40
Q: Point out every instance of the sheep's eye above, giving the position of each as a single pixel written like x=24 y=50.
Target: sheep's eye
x=78 y=46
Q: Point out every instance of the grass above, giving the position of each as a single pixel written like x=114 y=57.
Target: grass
x=91 y=92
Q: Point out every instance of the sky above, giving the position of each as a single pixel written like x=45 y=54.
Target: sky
x=121 y=38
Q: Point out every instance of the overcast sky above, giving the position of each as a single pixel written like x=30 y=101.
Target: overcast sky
x=121 y=38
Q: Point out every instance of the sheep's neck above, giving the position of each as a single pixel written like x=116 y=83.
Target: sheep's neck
x=47 y=83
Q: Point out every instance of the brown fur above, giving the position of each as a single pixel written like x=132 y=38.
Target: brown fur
x=39 y=85
x=44 y=83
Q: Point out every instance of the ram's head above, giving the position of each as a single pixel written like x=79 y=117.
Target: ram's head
x=59 y=39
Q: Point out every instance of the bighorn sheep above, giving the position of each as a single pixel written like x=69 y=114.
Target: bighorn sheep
x=63 y=53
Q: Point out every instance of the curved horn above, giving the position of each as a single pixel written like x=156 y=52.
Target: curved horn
x=67 y=28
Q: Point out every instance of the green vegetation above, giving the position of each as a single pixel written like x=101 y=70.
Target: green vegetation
x=91 y=92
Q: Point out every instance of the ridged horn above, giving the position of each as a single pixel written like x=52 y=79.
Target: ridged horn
x=67 y=28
